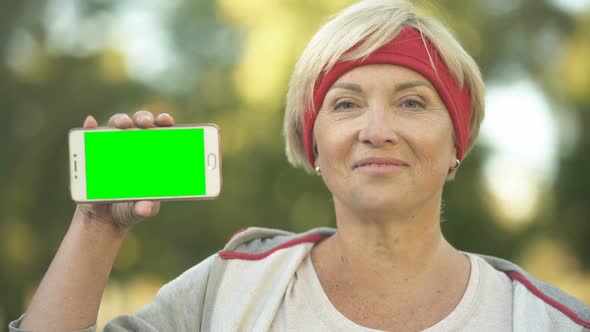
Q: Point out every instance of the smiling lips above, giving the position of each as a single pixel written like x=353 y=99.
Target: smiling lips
x=379 y=165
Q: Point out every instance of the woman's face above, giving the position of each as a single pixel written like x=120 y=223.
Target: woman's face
x=384 y=140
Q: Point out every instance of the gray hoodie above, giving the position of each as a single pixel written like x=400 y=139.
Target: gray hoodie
x=241 y=289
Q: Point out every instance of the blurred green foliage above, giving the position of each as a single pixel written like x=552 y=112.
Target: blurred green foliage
x=46 y=90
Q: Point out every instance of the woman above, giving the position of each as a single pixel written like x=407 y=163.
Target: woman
x=384 y=104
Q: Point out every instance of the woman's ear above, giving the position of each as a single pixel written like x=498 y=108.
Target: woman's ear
x=454 y=164
x=453 y=158
x=316 y=152
x=316 y=155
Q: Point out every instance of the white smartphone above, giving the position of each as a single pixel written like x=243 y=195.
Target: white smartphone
x=163 y=163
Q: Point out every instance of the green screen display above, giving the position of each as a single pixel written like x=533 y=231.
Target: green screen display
x=145 y=163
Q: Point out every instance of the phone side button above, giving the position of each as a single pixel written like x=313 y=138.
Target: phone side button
x=211 y=161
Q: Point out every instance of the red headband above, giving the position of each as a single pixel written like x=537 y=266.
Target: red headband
x=408 y=49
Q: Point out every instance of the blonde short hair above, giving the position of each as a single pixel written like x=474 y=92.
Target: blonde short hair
x=374 y=23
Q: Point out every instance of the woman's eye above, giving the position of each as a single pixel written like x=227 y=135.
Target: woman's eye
x=413 y=104
x=344 y=105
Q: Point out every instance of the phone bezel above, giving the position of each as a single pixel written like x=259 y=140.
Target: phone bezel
x=78 y=165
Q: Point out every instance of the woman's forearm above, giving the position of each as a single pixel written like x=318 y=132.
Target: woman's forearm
x=69 y=295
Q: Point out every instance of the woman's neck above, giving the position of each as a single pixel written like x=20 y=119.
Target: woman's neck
x=391 y=273
x=389 y=250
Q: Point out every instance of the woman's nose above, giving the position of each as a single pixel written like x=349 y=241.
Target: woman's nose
x=378 y=129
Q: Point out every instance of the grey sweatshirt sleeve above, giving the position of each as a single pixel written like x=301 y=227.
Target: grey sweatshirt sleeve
x=177 y=306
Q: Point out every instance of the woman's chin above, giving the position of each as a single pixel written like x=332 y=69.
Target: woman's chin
x=384 y=204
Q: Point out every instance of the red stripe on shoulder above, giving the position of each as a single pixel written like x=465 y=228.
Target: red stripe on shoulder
x=514 y=275
x=311 y=238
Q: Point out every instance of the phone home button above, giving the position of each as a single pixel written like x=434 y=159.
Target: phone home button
x=211 y=161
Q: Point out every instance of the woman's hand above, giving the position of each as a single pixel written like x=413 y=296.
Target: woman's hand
x=69 y=295
x=124 y=214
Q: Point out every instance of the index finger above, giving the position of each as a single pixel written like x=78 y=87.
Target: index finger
x=121 y=121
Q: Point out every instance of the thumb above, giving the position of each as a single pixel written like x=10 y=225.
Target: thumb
x=146 y=208
x=124 y=214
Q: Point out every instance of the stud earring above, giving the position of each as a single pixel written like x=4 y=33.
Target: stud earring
x=317 y=170
x=456 y=165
